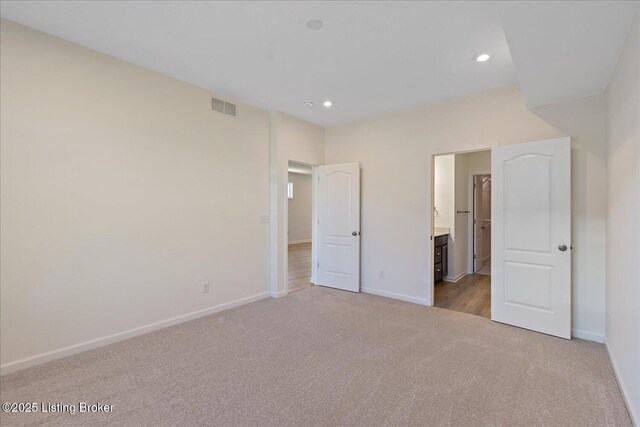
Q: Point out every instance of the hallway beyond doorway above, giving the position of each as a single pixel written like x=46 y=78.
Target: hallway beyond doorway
x=299 y=266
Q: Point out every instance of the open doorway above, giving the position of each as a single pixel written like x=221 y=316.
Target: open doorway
x=300 y=226
x=462 y=232
x=321 y=241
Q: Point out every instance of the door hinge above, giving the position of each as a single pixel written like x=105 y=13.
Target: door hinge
x=318 y=265
x=474 y=256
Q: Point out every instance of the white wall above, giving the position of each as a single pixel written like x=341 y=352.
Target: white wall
x=623 y=221
x=394 y=152
x=291 y=139
x=120 y=199
x=444 y=201
x=467 y=164
x=444 y=190
x=299 y=216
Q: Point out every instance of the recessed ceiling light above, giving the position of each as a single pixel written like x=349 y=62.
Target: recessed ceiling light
x=314 y=24
x=308 y=103
x=482 y=57
x=327 y=104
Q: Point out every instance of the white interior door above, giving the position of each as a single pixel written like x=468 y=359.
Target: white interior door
x=339 y=226
x=531 y=232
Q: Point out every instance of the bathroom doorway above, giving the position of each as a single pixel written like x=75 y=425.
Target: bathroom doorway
x=462 y=232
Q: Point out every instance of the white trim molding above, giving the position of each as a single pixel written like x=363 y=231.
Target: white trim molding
x=280 y=294
x=393 y=295
x=455 y=279
x=623 y=389
x=49 y=356
x=586 y=335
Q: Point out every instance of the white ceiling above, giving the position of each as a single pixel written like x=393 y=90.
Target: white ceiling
x=369 y=58
x=565 y=50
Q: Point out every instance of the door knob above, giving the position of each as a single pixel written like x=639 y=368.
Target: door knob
x=354 y=233
x=562 y=247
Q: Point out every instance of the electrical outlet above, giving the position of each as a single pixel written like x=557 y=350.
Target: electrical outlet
x=205 y=288
x=382 y=274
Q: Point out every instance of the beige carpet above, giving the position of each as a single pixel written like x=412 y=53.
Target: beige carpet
x=327 y=357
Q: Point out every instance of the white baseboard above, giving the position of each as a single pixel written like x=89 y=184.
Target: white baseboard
x=49 y=356
x=635 y=417
x=393 y=295
x=295 y=242
x=280 y=294
x=586 y=335
x=454 y=279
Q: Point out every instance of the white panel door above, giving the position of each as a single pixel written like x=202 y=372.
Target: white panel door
x=531 y=236
x=339 y=226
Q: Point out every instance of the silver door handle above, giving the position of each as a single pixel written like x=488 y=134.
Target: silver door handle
x=562 y=247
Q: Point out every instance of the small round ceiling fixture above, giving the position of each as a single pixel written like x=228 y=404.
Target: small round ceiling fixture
x=327 y=104
x=314 y=24
x=482 y=57
x=308 y=103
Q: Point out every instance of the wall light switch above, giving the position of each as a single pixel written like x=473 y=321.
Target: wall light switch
x=264 y=219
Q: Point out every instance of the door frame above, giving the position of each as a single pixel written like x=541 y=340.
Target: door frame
x=314 y=225
x=471 y=244
x=430 y=294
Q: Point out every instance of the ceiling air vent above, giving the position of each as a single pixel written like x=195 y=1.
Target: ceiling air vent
x=223 y=107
